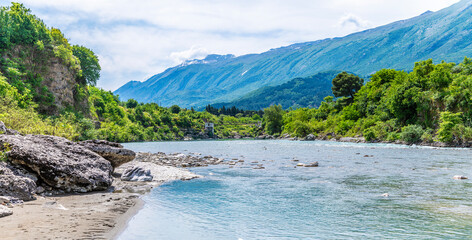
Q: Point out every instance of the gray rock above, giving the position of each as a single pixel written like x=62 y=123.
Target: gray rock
x=137 y=174
x=5 y=130
x=59 y=162
x=113 y=152
x=310 y=137
x=313 y=164
x=40 y=190
x=4 y=211
x=16 y=182
x=4 y=200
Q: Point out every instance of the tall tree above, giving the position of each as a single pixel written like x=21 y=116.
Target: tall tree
x=346 y=85
x=273 y=117
x=88 y=63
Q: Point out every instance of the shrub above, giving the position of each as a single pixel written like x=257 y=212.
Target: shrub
x=427 y=136
x=447 y=121
x=393 y=136
x=412 y=133
x=369 y=134
x=298 y=128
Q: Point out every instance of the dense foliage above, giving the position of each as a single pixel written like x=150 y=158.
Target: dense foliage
x=131 y=121
x=232 y=111
x=346 y=85
x=433 y=102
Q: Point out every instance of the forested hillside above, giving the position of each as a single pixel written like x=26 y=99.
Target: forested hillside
x=432 y=103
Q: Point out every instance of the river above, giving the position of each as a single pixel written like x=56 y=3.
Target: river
x=359 y=191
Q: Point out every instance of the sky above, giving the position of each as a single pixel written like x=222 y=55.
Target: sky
x=135 y=40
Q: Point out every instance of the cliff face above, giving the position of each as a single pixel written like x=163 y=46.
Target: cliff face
x=55 y=82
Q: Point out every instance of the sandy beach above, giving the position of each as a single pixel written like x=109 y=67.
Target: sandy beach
x=98 y=215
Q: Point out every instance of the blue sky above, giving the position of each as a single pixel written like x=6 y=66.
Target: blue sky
x=137 y=39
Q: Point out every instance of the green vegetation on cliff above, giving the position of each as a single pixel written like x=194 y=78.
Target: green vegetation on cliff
x=36 y=59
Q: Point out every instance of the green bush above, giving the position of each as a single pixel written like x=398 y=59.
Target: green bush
x=298 y=129
x=447 y=122
x=427 y=136
x=369 y=135
x=412 y=133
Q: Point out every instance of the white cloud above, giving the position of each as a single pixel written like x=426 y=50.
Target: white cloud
x=192 y=53
x=354 y=22
x=137 y=39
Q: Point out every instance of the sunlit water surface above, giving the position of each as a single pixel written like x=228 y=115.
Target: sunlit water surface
x=341 y=199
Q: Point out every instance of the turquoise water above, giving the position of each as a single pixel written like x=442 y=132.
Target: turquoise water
x=341 y=199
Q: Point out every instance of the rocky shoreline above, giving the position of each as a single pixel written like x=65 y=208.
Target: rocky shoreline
x=333 y=138
x=52 y=188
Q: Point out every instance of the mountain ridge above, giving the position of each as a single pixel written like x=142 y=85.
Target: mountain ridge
x=442 y=35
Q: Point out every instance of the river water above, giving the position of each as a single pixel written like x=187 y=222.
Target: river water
x=344 y=198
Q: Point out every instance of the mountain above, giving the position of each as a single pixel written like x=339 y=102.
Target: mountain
x=298 y=92
x=443 y=35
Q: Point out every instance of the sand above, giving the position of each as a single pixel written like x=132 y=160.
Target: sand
x=87 y=216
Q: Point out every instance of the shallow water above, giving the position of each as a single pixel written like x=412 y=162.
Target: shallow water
x=341 y=199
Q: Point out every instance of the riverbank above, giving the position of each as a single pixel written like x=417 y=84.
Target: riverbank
x=97 y=215
x=100 y=215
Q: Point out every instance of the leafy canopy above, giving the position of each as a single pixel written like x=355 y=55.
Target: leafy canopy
x=88 y=63
x=346 y=85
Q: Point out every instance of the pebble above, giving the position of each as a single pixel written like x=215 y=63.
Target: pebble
x=460 y=177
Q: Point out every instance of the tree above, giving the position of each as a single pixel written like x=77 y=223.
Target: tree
x=174 y=109
x=273 y=117
x=131 y=103
x=88 y=63
x=346 y=85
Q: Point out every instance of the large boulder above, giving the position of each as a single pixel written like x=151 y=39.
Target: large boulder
x=16 y=182
x=59 y=162
x=113 y=152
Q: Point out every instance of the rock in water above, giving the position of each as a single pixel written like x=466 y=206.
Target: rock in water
x=59 y=162
x=310 y=137
x=460 y=177
x=137 y=174
x=4 y=211
x=113 y=152
x=17 y=183
x=313 y=164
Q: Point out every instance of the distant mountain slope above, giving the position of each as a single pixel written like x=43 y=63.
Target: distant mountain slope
x=298 y=92
x=443 y=35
